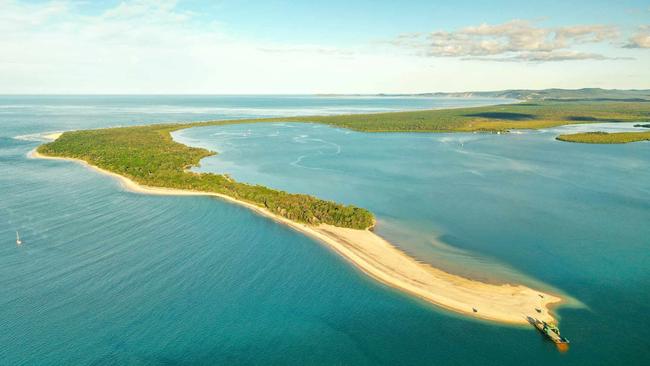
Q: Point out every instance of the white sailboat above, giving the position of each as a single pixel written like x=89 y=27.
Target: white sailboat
x=18 y=241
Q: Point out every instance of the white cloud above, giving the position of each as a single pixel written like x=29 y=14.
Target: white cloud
x=152 y=47
x=510 y=41
x=641 y=39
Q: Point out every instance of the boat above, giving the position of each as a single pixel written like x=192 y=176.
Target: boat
x=18 y=241
x=551 y=332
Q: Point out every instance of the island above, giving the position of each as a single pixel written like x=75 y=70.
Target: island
x=146 y=159
x=600 y=137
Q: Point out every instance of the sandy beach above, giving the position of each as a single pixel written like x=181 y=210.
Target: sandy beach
x=53 y=136
x=381 y=260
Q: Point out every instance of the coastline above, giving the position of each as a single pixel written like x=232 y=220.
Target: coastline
x=381 y=260
x=53 y=135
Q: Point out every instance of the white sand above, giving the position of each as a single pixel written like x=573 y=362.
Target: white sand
x=53 y=136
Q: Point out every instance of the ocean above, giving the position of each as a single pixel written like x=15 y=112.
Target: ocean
x=107 y=276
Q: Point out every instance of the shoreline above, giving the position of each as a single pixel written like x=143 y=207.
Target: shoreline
x=387 y=264
x=53 y=136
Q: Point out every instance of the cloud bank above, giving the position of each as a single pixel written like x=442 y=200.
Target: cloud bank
x=516 y=40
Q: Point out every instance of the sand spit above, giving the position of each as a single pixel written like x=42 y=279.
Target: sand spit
x=381 y=260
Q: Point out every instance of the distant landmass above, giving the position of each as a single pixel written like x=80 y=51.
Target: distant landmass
x=558 y=94
x=575 y=95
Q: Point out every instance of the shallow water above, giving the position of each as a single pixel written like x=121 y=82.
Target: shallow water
x=111 y=277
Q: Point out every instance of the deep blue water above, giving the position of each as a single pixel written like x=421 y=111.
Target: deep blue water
x=112 y=277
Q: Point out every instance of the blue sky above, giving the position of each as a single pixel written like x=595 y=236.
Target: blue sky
x=247 y=46
x=343 y=22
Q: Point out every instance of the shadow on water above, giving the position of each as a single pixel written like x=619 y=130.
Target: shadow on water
x=634 y=100
x=503 y=115
x=591 y=119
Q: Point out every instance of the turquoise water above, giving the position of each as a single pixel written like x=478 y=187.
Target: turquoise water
x=111 y=277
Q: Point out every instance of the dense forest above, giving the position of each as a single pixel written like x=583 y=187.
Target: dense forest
x=149 y=156
x=540 y=114
x=605 y=138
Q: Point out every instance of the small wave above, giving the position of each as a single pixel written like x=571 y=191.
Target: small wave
x=297 y=161
x=238 y=134
x=492 y=162
x=36 y=137
x=303 y=139
x=297 y=164
x=282 y=124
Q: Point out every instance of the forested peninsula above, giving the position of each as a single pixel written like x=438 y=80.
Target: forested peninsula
x=149 y=156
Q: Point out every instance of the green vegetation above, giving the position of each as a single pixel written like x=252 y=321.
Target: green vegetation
x=498 y=118
x=149 y=156
x=490 y=119
x=606 y=138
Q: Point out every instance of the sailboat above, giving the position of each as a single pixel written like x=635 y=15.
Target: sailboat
x=18 y=241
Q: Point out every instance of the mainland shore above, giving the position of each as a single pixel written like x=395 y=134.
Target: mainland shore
x=383 y=261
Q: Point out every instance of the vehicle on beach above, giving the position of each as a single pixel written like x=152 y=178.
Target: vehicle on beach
x=551 y=332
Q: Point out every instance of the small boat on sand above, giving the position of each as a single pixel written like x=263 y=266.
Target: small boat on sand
x=18 y=241
x=551 y=332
